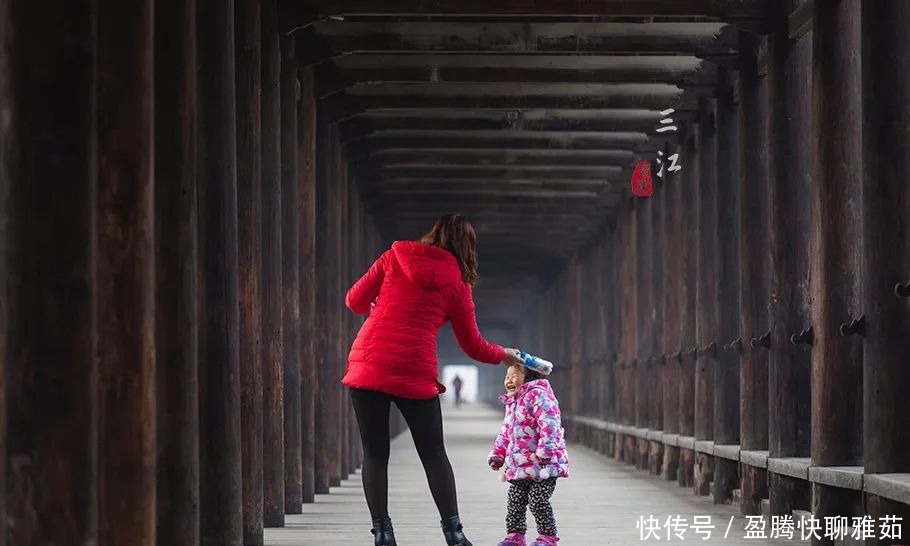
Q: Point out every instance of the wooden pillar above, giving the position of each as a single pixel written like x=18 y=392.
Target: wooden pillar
x=754 y=277
x=333 y=265
x=790 y=221
x=837 y=361
x=323 y=415
x=8 y=149
x=886 y=214
x=641 y=218
x=49 y=114
x=726 y=368
x=706 y=303
x=124 y=274
x=219 y=371
x=272 y=336
x=306 y=162
x=248 y=45
x=671 y=196
x=290 y=278
x=343 y=322
x=176 y=274
x=688 y=305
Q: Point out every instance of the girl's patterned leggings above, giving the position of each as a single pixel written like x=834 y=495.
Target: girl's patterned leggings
x=524 y=494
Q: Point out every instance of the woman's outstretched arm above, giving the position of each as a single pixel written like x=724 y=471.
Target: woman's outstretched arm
x=365 y=290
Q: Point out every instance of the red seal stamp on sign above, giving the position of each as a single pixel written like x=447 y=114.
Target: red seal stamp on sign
x=642 y=186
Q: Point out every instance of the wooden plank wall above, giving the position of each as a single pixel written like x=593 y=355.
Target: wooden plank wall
x=712 y=292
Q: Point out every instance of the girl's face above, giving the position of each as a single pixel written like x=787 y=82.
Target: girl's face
x=515 y=378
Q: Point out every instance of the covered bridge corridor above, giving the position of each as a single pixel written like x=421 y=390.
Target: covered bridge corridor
x=188 y=188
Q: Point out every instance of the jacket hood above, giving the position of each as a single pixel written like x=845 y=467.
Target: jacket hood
x=427 y=266
x=530 y=386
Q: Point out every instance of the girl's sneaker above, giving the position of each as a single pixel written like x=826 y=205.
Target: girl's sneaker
x=513 y=539
x=545 y=540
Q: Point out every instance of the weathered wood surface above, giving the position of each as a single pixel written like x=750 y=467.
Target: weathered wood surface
x=248 y=47
x=306 y=172
x=176 y=275
x=886 y=253
x=219 y=370
x=272 y=292
x=290 y=280
x=837 y=366
x=790 y=88
x=689 y=273
x=726 y=367
x=754 y=271
x=322 y=412
x=7 y=158
x=617 y=493
x=50 y=114
x=706 y=302
x=124 y=269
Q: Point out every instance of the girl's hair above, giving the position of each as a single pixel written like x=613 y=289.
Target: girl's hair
x=454 y=233
x=530 y=375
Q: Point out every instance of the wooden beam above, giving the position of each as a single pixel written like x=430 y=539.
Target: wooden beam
x=754 y=275
x=248 y=45
x=790 y=89
x=837 y=195
x=726 y=369
x=455 y=156
x=219 y=366
x=706 y=323
x=887 y=247
x=496 y=140
x=290 y=280
x=306 y=171
x=333 y=77
x=469 y=184
x=514 y=171
x=581 y=38
x=176 y=274
x=530 y=120
x=722 y=9
x=272 y=292
x=51 y=400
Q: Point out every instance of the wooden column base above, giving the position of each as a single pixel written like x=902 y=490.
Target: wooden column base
x=704 y=474
x=879 y=507
x=686 y=476
x=671 y=463
x=787 y=494
x=656 y=458
x=754 y=489
x=726 y=479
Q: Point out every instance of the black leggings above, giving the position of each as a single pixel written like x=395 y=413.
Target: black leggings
x=424 y=418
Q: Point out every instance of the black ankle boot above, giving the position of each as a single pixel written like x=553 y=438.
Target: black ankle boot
x=383 y=533
x=451 y=529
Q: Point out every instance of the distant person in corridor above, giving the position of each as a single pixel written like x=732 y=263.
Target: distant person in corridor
x=409 y=293
x=457 y=383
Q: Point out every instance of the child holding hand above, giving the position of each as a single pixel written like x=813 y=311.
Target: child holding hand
x=532 y=450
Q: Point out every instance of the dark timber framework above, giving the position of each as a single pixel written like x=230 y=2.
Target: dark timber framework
x=187 y=189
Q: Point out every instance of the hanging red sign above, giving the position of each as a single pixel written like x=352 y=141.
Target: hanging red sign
x=642 y=186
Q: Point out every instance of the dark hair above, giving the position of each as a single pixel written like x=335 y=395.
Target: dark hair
x=454 y=233
x=529 y=375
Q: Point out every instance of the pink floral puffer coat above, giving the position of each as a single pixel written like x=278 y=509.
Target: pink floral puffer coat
x=531 y=444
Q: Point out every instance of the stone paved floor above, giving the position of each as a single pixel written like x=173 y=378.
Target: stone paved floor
x=599 y=505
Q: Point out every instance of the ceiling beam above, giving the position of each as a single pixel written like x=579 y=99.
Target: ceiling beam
x=332 y=39
x=513 y=171
x=592 y=158
x=603 y=121
x=299 y=14
x=334 y=77
x=496 y=140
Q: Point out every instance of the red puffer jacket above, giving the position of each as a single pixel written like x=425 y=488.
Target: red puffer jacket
x=416 y=289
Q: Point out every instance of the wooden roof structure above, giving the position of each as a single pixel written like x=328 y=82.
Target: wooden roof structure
x=526 y=116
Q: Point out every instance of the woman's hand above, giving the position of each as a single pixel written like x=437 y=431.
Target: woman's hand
x=512 y=358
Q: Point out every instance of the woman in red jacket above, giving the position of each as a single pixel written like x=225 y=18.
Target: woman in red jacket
x=409 y=293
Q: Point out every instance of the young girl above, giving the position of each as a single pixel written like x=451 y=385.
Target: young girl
x=532 y=448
